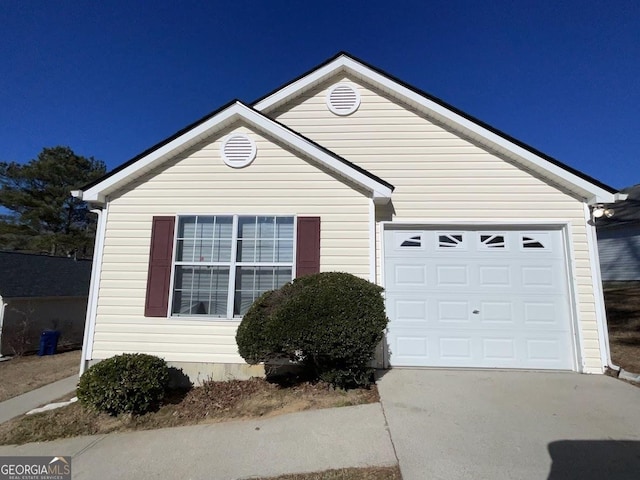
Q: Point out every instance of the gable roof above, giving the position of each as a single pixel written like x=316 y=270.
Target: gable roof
x=97 y=191
x=28 y=275
x=526 y=156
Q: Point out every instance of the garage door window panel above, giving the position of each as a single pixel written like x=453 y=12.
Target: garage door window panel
x=535 y=242
x=492 y=241
x=456 y=240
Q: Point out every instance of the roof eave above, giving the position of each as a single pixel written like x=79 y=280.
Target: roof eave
x=98 y=192
x=589 y=189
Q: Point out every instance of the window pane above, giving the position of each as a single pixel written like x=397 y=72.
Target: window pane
x=199 y=302
x=200 y=290
x=264 y=251
x=223 y=227
x=242 y=302
x=264 y=279
x=221 y=251
x=246 y=291
x=284 y=251
x=251 y=282
x=246 y=251
x=186 y=250
x=203 y=250
x=245 y=278
x=247 y=227
x=187 y=227
x=282 y=276
x=266 y=227
x=218 y=305
x=284 y=227
x=205 y=228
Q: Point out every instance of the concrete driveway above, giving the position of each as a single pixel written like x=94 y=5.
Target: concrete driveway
x=448 y=424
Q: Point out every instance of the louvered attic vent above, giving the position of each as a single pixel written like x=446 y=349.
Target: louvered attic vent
x=343 y=99
x=238 y=150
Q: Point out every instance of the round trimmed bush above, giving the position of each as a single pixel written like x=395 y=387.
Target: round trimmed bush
x=330 y=322
x=128 y=383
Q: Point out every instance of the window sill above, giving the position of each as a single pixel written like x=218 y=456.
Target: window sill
x=199 y=318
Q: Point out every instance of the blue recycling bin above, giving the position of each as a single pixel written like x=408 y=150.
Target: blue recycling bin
x=49 y=342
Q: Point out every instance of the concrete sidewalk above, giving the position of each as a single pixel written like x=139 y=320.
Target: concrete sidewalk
x=35 y=398
x=299 y=442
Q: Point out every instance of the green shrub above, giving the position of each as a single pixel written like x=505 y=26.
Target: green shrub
x=330 y=322
x=128 y=383
x=254 y=342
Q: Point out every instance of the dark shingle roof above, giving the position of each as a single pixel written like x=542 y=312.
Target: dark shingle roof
x=27 y=275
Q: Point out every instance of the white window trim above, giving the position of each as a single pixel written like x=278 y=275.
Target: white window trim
x=231 y=264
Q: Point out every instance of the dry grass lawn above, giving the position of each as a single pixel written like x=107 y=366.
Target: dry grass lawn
x=213 y=402
x=368 y=473
x=622 y=301
x=23 y=374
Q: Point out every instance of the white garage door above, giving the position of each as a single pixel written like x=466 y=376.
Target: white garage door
x=478 y=298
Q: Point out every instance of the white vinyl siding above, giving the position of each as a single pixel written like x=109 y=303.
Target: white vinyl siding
x=440 y=177
x=197 y=182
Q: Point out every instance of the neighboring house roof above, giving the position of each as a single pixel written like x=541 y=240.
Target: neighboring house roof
x=626 y=212
x=468 y=126
x=528 y=158
x=27 y=275
x=221 y=118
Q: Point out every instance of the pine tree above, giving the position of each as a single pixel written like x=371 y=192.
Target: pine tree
x=39 y=213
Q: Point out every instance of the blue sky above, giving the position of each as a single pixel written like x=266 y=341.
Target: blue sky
x=112 y=78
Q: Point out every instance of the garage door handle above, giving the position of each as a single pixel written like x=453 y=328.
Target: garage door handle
x=476 y=311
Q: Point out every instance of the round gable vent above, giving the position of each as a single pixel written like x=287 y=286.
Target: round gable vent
x=343 y=99
x=238 y=150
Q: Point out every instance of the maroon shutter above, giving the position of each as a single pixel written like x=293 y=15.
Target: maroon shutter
x=159 y=277
x=308 y=246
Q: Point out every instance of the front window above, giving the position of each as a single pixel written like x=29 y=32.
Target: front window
x=223 y=263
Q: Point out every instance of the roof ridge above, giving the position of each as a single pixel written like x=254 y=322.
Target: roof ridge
x=453 y=109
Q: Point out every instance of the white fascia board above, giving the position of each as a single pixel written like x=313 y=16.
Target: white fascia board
x=301 y=84
x=98 y=191
x=234 y=112
x=529 y=159
x=451 y=117
x=620 y=197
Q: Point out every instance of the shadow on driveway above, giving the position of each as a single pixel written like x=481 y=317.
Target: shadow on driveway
x=594 y=459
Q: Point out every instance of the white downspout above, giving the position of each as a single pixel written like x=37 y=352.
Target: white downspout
x=2 y=307
x=92 y=300
x=603 y=329
x=372 y=242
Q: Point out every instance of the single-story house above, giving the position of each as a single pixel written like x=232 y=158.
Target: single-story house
x=619 y=239
x=40 y=292
x=485 y=246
